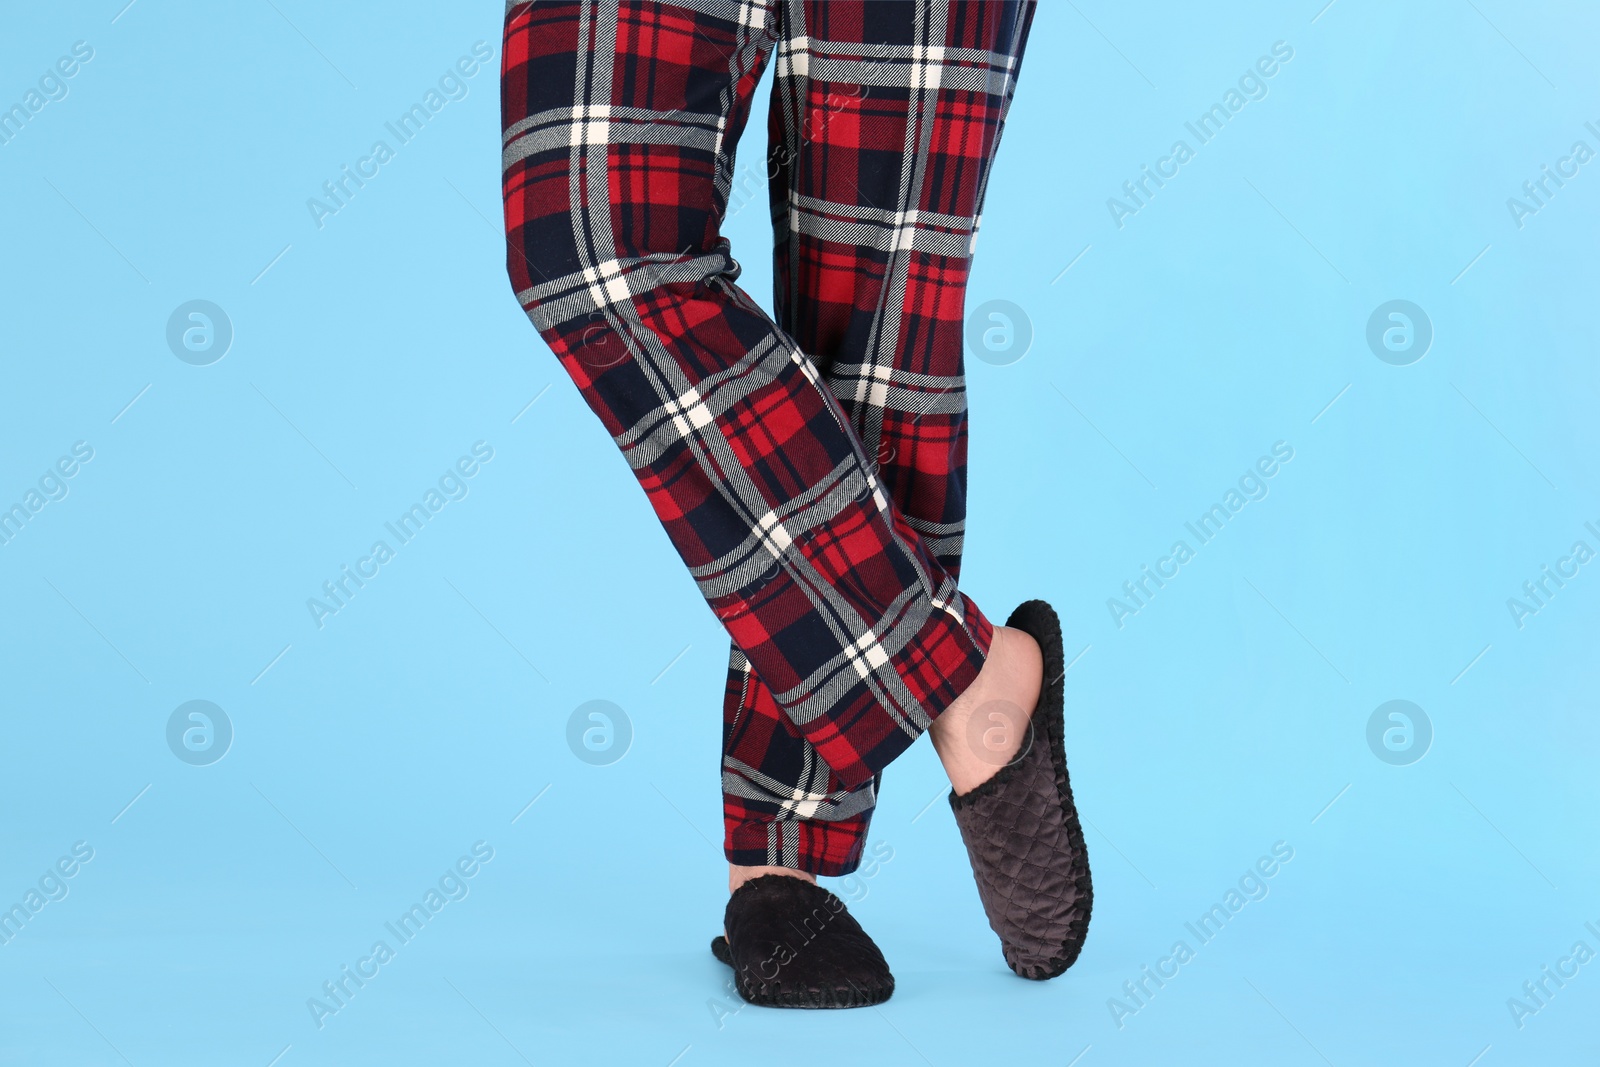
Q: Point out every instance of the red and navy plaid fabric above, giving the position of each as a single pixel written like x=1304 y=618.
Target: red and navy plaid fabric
x=809 y=471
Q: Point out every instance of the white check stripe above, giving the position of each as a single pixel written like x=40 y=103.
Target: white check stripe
x=774 y=534
x=794 y=58
x=591 y=124
x=927 y=65
x=688 y=412
x=873 y=386
x=804 y=804
x=607 y=286
x=866 y=654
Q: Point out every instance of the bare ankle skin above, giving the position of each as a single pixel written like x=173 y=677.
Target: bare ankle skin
x=987 y=726
x=738 y=876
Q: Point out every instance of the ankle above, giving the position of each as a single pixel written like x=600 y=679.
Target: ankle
x=738 y=876
x=989 y=724
x=996 y=735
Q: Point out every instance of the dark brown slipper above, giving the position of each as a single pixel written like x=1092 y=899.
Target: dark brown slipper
x=792 y=944
x=1022 y=831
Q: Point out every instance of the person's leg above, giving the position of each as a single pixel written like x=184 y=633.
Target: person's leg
x=620 y=121
x=879 y=151
x=784 y=810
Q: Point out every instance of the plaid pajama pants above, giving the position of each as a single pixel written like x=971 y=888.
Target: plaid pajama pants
x=809 y=467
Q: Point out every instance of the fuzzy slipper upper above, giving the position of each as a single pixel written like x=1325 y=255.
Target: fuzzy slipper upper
x=793 y=944
x=1022 y=831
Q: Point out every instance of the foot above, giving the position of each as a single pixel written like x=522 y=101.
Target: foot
x=738 y=876
x=988 y=725
x=793 y=944
x=1022 y=829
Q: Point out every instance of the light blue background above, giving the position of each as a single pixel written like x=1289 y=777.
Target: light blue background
x=1228 y=314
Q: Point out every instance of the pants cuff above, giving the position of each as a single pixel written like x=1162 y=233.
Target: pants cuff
x=824 y=849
